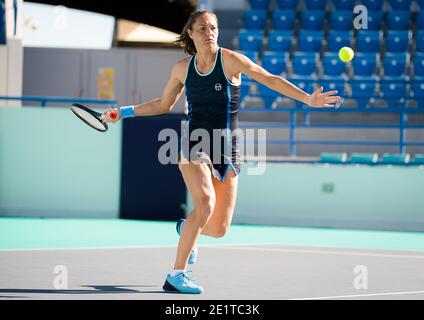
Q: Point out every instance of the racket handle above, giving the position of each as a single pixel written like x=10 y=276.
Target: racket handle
x=113 y=115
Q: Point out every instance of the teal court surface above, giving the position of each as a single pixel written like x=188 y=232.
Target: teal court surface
x=124 y=259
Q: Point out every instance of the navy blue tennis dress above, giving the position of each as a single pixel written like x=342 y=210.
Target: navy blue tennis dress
x=213 y=103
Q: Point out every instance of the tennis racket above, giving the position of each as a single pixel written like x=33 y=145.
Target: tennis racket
x=92 y=118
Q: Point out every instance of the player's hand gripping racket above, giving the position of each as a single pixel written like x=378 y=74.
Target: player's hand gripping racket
x=92 y=118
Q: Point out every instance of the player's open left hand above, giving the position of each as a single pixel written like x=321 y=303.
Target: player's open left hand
x=321 y=99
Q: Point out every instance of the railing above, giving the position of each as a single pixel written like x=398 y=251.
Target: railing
x=45 y=100
x=292 y=142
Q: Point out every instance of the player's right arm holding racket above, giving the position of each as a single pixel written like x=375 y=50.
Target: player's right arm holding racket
x=164 y=104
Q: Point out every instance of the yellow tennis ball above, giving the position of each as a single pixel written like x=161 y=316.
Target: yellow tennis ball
x=346 y=54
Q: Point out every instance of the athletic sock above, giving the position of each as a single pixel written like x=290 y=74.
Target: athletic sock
x=174 y=272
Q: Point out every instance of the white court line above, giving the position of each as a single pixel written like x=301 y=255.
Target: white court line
x=362 y=295
x=325 y=252
x=131 y=247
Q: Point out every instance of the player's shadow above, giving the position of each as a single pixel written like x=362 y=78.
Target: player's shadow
x=98 y=289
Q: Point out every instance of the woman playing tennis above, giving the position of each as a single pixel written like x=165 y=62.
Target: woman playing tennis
x=211 y=76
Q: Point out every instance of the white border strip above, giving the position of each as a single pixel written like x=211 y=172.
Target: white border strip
x=362 y=295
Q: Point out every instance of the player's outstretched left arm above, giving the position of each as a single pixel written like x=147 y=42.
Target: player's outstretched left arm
x=317 y=99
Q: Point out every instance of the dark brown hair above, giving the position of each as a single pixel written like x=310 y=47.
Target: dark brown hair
x=184 y=40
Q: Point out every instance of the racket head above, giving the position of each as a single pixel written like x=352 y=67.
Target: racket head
x=90 y=117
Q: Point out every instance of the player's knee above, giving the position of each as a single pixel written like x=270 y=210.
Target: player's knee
x=220 y=231
x=205 y=205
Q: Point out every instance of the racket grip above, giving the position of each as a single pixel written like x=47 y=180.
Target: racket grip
x=113 y=115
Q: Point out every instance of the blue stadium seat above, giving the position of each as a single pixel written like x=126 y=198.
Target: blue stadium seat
x=344 y=4
x=312 y=20
x=417 y=92
x=368 y=41
x=397 y=41
x=394 y=65
x=333 y=84
x=373 y=5
x=279 y=40
x=310 y=41
x=375 y=20
x=332 y=65
x=341 y=20
x=245 y=86
x=365 y=64
x=418 y=64
x=419 y=41
x=398 y=20
x=267 y=95
x=251 y=39
x=315 y=4
x=400 y=4
x=274 y=62
x=283 y=19
x=254 y=19
x=287 y=4
x=259 y=4
x=420 y=20
x=252 y=55
x=363 y=92
x=331 y=157
x=394 y=93
x=394 y=158
x=339 y=39
x=305 y=63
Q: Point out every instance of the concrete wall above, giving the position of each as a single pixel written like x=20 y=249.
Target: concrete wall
x=53 y=165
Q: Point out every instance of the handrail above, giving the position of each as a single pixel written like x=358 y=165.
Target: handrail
x=292 y=126
x=45 y=100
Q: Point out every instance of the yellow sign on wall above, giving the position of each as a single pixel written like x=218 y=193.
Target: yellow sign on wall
x=106 y=83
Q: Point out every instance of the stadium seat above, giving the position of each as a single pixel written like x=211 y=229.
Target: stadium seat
x=363 y=92
x=373 y=5
x=339 y=39
x=400 y=4
x=398 y=20
x=417 y=93
x=394 y=66
x=287 y=4
x=364 y=158
x=368 y=41
x=312 y=20
x=341 y=20
x=393 y=158
x=251 y=39
x=274 y=62
x=280 y=40
x=330 y=157
x=335 y=84
x=365 y=64
x=254 y=19
x=375 y=20
x=283 y=19
x=418 y=64
x=394 y=93
x=332 y=65
x=397 y=41
x=310 y=41
x=259 y=4
x=252 y=55
x=267 y=95
x=420 y=20
x=315 y=4
x=305 y=63
x=419 y=41
x=344 y=4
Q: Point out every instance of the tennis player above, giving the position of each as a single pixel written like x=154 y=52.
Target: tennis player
x=211 y=76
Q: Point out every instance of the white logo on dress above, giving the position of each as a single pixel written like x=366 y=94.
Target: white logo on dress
x=218 y=87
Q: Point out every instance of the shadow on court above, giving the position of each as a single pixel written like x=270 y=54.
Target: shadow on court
x=97 y=290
